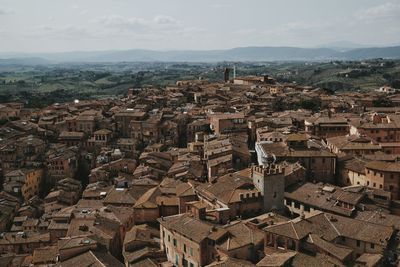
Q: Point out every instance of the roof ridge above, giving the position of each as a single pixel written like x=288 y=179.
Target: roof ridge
x=373 y=214
x=310 y=235
x=334 y=227
x=231 y=196
x=251 y=234
x=294 y=229
x=96 y=259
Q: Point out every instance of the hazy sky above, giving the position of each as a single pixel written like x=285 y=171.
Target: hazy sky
x=70 y=25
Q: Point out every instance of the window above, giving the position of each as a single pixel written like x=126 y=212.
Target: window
x=177 y=259
x=169 y=238
x=374 y=184
x=372 y=246
x=191 y=251
x=175 y=242
x=191 y=265
x=274 y=195
x=358 y=243
x=367 y=182
x=184 y=248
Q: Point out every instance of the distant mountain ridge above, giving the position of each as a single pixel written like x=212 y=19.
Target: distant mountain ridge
x=234 y=54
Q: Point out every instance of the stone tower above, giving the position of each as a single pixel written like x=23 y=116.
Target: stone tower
x=270 y=181
x=226 y=74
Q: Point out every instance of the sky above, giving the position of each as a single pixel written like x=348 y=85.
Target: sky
x=88 y=25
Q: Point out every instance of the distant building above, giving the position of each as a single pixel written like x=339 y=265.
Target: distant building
x=270 y=181
x=319 y=163
x=386 y=89
x=342 y=238
x=222 y=123
x=23 y=183
x=253 y=80
x=384 y=176
x=326 y=127
x=190 y=240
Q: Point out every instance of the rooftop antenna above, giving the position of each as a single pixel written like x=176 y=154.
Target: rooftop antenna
x=234 y=71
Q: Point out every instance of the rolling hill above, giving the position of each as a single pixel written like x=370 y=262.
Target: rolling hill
x=235 y=54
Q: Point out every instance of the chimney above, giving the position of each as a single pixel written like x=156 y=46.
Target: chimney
x=199 y=212
x=83 y=228
x=332 y=219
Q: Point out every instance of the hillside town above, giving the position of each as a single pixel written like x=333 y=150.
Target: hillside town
x=243 y=172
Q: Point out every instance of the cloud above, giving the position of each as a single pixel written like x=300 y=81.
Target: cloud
x=246 y=31
x=221 y=5
x=68 y=32
x=384 y=11
x=116 y=21
x=115 y=27
x=5 y=11
x=160 y=24
x=148 y=31
x=292 y=33
x=165 y=20
x=137 y=23
x=297 y=29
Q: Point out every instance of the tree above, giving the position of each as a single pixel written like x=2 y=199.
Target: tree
x=382 y=101
x=46 y=184
x=83 y=171
x=396 y=84
x=313 y=104
x=278 y=104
